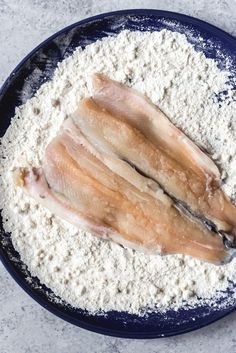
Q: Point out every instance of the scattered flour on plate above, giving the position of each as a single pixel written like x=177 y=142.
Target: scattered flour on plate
x=85 y=271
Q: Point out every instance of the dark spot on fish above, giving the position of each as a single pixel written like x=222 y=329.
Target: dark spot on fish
x=229 y=241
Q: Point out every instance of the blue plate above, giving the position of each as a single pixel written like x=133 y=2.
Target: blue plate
x=43 y=60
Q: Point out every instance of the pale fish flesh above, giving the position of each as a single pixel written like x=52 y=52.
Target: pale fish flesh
x=78 y=187
x=170 y=157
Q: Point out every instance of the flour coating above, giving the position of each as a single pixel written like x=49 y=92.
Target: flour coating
x=86 y=271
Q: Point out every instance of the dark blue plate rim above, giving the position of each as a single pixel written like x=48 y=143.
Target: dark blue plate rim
x=3 y=257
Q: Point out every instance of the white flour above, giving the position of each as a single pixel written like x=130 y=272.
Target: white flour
x=84 y=270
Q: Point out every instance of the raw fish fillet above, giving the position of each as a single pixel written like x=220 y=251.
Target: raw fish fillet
x=117 y=165
x=135 y=108
x=78 y=187
x=151 y=143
